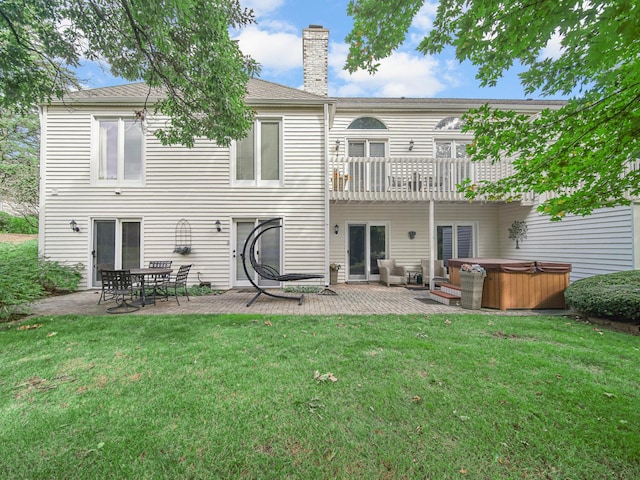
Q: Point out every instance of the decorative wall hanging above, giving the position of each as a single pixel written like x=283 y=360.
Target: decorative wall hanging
x=518 y=231
x=183 y=237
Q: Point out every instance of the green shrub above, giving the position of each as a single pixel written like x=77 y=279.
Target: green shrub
x=25 y=277
x=9 y=224
x=613 y=295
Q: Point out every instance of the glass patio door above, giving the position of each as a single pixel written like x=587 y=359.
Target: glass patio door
x=267 y=252
x=116 y=244
x=366 y=244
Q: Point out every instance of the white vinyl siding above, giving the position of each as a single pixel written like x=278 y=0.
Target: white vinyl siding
x=180 y=182
x=598 y=243
x=401 y=218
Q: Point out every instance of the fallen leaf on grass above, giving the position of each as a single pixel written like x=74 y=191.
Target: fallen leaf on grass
x=268 y=323
x=416 y=399
x=51 y=334
x=609 y=395
x=324 y=377
x=29 y=327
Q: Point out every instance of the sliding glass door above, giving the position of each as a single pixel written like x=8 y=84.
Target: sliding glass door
x=116 y=244
x=367 y=242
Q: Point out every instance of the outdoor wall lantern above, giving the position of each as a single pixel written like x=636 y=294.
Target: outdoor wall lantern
x=336 y=229
x=337 y=145
x=412 y=235
x=74 y=226
x=411 y=142
x=218 y=226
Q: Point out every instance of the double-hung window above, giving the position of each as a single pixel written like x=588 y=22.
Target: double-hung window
x=367 y=175
x=458 y=168
x=119 y=152
x=258 y=158
x=456 y=240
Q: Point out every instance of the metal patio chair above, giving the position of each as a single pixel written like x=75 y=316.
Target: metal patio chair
x=179 y=281
x=120 y=283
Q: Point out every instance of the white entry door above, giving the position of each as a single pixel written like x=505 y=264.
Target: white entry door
x=268 y=251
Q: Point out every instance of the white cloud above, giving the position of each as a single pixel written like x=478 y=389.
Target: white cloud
x=423 y=20
x=275 y=51
x=554 y=48
x=401 y=75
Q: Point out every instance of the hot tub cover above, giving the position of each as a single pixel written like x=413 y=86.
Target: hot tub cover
x=512 y=265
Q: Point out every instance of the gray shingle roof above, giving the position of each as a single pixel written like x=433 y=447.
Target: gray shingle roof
x=264 y=92
x=257 y=91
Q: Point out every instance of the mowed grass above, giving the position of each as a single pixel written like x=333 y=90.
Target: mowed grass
x=231 y=396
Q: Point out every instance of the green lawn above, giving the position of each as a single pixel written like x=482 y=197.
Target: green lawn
x=234 y=396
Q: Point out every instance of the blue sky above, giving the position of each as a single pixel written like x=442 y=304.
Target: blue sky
x=276 y=43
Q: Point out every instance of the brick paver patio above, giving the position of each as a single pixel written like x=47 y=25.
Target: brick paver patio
x=368 y=299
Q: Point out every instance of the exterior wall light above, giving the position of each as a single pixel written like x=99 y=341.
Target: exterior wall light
x=336 y=229
x=218 y=226
x=411 y=142
x=412 y=234
x=74 y=226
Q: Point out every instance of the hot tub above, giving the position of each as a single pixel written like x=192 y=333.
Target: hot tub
x=518 y=283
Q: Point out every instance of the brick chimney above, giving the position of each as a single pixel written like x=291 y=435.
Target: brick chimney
x=315 y=59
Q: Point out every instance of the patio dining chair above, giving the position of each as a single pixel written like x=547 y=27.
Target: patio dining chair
x=157 y=282
x=177 y=283
x=119 y=282
x=106 y=293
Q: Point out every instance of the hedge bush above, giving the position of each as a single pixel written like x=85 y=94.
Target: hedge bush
x=615 y=296
x=10 y=224
x=25 y=277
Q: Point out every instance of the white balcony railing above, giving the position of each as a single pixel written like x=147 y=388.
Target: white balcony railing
x=408 y=178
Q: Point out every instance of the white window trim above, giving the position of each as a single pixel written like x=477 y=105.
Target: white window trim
x=453 y=140
x=367 y=141
x=257 y=182
x=95 y=153
x=454 y=240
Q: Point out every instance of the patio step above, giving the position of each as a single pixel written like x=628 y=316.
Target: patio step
x=444 y=298
x=450 y=289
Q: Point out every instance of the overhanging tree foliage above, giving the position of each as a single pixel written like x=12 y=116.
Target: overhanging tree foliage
x=19 y=161
x=579 y=157
x=181 y=46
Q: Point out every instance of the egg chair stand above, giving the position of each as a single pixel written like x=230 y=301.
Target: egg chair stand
x=265 y=271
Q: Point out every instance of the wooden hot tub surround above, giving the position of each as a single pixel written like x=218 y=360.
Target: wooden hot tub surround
x=518 y=283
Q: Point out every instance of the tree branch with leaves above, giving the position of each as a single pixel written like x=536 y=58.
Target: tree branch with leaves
x=181 y=46
x=579 y=157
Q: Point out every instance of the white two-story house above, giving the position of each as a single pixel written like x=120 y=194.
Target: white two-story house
x=353 y=179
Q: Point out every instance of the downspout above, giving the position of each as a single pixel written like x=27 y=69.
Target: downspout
x=42 y=188
x=432 y=243
x=327 y=236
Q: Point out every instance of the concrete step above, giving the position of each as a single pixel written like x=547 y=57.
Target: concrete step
x=444 y=298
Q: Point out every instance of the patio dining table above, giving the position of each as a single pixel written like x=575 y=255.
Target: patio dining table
x=142 y=273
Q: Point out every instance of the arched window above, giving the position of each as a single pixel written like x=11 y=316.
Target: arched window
x=450 y=123
x=367 y=123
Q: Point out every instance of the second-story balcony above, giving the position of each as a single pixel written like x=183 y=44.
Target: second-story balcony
x=408 y=178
